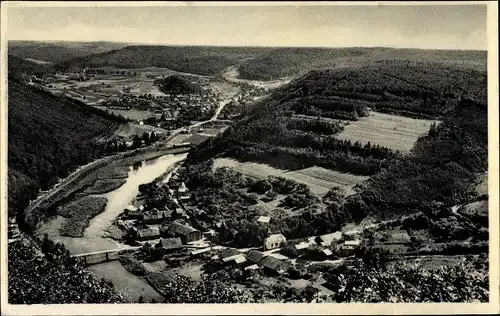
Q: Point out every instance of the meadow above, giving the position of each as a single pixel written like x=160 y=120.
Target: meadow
x=391 y=131
x=319 y=180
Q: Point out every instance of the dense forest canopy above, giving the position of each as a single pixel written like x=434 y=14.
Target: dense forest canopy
x=48 y=138
x=176 y=85
x=56 y=52
x=191 y=59
x=286 y=62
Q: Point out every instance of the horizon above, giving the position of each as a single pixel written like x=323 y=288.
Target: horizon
x=438 y=27
x=242 y=46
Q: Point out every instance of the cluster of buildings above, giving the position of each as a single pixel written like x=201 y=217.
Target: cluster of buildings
x=169 y=224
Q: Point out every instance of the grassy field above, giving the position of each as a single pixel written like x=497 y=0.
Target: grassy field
x=319 y=180
x=78 y=213
x=105 y=186
x=391 y=131
x=125 y=282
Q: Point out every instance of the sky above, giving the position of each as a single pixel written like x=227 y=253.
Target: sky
x=400 y=26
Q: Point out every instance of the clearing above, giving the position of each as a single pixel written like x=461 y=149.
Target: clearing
x=319 y=180
x=391 y=131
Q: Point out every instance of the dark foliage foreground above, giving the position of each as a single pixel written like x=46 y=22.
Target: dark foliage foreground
x=52 y=278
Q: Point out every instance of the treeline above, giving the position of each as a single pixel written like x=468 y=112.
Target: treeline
x=443 y=167
x=316 y=126
x=48 y=138
x=269 y=140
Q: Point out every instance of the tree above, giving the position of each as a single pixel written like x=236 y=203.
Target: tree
x=145 y=138
x=141 y=300
x=136 y=141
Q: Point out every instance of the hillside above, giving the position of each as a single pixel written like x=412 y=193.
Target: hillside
x=48 y=138
x=19 y=67
x=176 y=85
x=191 y=59
x=56 y=52
x=284 y=62
x=296 y=128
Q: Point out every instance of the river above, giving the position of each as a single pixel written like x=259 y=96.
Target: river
x=131 y=286
x=118 y=199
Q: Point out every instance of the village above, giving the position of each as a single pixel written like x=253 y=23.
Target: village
x=173 y=236
x=135 y=96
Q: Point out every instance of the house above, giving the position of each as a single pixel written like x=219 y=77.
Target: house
x=131 y=208
x=169 y=244
x=180 y=213
x=264 y=219
x=133 y=215
x=235 y=260
x=186 y=233
x=352 y=234
x=318 y=253
x=209 y=233
x=349 y=247
x=274 y=241
x=155 y=216
x=295 y=250
x=148 y=233
x=182 y=188
x=229 y=252
x=252 y=267
x=328 y=239
x=274 y=266
x=232 y=255
x=255 y=256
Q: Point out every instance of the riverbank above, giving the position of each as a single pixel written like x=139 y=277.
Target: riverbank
x=93 y=238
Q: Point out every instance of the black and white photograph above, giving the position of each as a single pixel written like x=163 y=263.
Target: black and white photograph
x=274 y=154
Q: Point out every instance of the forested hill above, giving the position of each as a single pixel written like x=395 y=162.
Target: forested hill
x=176 y=85
x=191 y=59
x=48 y=138
x=19 y=67
x=55 y=52
x=284 y=62
x=442 y=167
x=423 y=91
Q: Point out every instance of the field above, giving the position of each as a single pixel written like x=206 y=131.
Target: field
x=319 y=180
x=391 y=131
x=105 y=186
x=78 y=213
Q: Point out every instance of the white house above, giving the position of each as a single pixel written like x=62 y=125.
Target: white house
x=274 y=241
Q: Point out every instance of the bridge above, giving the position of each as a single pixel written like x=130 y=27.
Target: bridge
x=97 y=257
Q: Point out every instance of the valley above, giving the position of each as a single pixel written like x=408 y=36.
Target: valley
x=258 y=174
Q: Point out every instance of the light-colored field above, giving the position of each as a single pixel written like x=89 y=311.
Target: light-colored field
x=131 y=286
x=391 y=131
x=180 y=138
x=319 y=180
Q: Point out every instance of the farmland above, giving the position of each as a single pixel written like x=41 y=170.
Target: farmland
x=391 y=131
x=319 y=180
